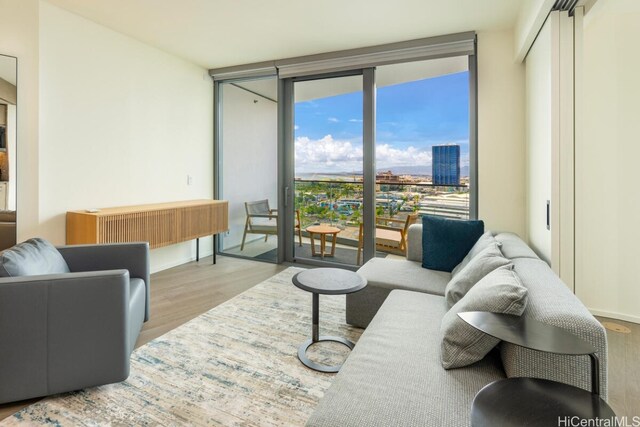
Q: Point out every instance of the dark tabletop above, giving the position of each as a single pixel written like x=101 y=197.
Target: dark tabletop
x=528 y=332
x=533 y=402
x=329 y=281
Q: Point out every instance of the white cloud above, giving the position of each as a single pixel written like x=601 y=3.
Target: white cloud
x=355 y=120
x=387 y=156
x=327 y=155
x=333 y=120
x=296 y=127
x=331 y=155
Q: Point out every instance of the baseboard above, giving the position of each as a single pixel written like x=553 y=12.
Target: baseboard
x=179 y=261
x=614 y=315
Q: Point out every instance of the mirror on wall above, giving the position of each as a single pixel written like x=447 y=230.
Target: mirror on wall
x=8 y=140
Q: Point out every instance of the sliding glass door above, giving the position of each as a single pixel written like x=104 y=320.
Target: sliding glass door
x=328 y=160
x=328 y=169
x=248 y=166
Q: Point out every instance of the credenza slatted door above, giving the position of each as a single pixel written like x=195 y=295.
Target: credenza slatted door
x=160 y=225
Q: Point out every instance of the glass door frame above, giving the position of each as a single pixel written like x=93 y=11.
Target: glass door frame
x=286 y=159
x=218 y=154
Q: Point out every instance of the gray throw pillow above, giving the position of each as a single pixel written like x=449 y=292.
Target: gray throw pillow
x=482 y=264
x=485 y=240
x=30 y=258
x=499 y=292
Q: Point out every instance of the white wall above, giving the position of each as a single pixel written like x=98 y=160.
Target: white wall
x=249 y=156
x=539 y=140
x=121 y=123
x=607 y=155
x=501 y=161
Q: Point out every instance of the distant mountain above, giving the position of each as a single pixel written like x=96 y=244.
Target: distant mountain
x=397 y=170
x=418 y=170
x=408 y=170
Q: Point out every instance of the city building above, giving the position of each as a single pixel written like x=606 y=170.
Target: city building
x=446 y=164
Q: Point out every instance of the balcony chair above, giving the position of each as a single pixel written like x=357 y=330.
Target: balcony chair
x=391 y=235
x=263 y=220
x=69 y=316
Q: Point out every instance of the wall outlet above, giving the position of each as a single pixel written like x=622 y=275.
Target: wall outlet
x=189 y=180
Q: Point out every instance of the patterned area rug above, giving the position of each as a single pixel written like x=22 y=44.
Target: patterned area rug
x=235 y=365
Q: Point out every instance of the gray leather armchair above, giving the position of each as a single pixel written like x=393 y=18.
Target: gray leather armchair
x=69 y=319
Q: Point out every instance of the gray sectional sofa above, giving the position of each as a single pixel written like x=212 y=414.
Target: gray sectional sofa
x=394 y=375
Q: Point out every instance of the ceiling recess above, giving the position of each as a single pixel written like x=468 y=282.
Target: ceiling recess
x=565 y=5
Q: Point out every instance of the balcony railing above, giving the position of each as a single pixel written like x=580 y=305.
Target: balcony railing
x=339 y=203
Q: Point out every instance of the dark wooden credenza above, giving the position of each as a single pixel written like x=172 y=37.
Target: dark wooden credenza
x=160 y=224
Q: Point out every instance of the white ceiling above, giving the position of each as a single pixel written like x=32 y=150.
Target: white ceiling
x=219 y=33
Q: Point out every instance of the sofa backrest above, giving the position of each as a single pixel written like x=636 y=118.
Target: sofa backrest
x=30 y=258
x=552 y=302
x=7 y=216
x=514 y=247
x=414 y=243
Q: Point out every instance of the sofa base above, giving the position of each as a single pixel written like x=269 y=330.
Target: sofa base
x=363 y=305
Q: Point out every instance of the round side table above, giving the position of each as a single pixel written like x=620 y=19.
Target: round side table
x=328 y=281
x=323 y=231
x=533 y=401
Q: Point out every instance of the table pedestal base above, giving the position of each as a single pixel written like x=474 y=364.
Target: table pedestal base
x=302 y=353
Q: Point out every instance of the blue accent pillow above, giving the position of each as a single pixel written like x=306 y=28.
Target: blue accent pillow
x=445 y=242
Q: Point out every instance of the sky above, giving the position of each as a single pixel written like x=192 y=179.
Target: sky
x=411 y=117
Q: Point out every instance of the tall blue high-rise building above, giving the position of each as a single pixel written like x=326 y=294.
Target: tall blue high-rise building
x=446 y=164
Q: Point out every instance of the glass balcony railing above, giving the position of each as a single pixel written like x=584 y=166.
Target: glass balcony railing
x=339 y=202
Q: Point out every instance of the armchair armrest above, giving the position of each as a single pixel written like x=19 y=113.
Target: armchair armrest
x=133 y=257
x=63 y=332
x=414 y=243
x=270 y=216
x=390 y=228
x=384 y=219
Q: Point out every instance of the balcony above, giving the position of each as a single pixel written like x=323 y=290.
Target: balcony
x=339 y=203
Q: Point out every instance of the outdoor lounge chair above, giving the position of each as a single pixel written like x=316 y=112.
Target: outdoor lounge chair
x=391 y=235
x=263 y=220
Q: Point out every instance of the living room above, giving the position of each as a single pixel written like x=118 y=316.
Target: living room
x=129 y=103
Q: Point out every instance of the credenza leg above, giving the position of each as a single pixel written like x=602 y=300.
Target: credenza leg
x=197 y=249
x=215 y=247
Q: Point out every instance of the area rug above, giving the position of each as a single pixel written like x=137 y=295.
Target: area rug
x=235 y=365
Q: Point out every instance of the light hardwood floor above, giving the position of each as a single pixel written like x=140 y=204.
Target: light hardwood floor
x=624 y=369
x=184 y=292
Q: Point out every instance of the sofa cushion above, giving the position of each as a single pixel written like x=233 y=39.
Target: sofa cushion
x=484 y=263
x=30 y=258
x=403 y=274
x=484 y=241
x=445 y=242
x=393 y=376
x=498 y=292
